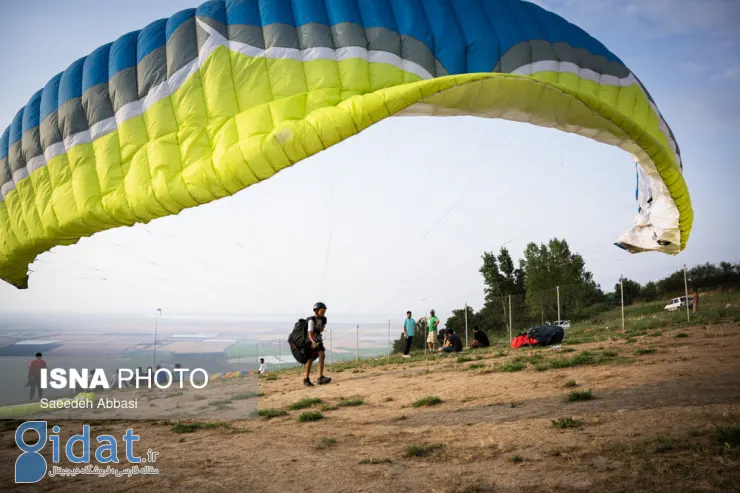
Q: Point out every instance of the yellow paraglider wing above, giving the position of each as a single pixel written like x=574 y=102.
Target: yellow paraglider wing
x=212 y=100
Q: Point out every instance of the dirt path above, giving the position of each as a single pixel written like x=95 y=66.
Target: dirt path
x=651 y=426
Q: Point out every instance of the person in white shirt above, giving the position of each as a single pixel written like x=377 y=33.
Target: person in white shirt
x=316 y=325
x=263 y=366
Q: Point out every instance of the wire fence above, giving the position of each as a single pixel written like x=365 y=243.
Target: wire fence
x=570 y=306
x=242 y=345
x=575 y=304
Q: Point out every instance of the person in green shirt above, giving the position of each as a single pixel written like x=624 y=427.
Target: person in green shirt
x=432 y=322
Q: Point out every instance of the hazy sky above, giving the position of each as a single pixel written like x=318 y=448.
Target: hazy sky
x=397 y=217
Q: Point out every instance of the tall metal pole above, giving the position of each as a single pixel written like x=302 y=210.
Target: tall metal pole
x=330 y=346
x=466 y=324
x=357 y=345
x=156 y=326
x=257 y=356
x=510 y=324
x=686 y=288
x=280 y=356
x=238 y=353
x=558 y=289
x=621 y=288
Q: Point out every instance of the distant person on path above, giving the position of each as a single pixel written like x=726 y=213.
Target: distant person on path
x=263 y=366
x=432 y=337
x=34 y=375
x=316 y=325
x=695 y=300
x=408 y=332
x=162 y=376
x=480 y=339
x=452 y=344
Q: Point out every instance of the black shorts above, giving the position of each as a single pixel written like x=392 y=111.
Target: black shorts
x=314 y=351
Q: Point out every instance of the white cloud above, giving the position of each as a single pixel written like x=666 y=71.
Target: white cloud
x=716 y=18
x=726 y=79
x=728 y=44
x=704 y=37
x=731 y=73
x=718 y=112
x=689 y=16
x=695 y=68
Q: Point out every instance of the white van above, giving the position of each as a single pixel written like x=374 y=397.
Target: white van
x=681 y=302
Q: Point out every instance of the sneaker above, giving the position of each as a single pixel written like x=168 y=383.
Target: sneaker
x=323 y=380
x=307 y=382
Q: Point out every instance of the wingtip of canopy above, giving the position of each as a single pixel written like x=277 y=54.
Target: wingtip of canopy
x=17 y=281
x=663 y=247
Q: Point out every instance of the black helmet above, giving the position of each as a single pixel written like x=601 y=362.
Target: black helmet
x=319 y=306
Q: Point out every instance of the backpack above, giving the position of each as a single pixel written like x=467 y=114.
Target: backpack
x=300 y=344
x=298 y=341
x=523 y=340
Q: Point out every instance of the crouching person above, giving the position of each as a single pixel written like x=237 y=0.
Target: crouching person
x=480 y=339
x=453 y=344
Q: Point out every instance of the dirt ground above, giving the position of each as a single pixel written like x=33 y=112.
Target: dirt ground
x=654 y=424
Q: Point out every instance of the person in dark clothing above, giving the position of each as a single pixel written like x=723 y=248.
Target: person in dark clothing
x=452 y=344
x=408 y=332
x=316 y=326
x=34 y=375
x=695 y=300
x=442 y=336
x=480 y=339
x=161 y=377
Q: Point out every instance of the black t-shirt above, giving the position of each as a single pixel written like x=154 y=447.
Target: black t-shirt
x=482 y=338
x=455 y=342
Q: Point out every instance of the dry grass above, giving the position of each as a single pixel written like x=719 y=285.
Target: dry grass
x=663 y=422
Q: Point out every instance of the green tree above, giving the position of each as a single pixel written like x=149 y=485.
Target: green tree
x=728 y=275
x=547 y=266
x=632 y=290
x=671 y=285
x=703 y=276
x=707 y=276
x=491 y=319
x=710 y=276
x=457 y=321
x=649 y=292
x=501 y=279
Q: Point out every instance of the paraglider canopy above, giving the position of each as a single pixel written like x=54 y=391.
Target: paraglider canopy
x=205 y=103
